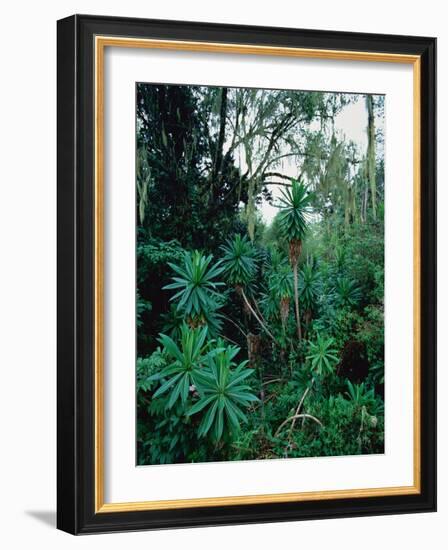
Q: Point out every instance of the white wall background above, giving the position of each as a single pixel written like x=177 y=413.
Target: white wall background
x=28 y=273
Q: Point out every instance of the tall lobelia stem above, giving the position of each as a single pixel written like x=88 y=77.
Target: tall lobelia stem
x=284 y=311
x=296 y=300
x=295 y=249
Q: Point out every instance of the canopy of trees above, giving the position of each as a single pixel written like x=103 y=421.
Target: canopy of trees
x=257 y=337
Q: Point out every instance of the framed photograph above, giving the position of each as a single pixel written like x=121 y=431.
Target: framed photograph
x=246 y=274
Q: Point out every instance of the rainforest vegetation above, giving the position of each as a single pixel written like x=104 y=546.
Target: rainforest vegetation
x=258 y=335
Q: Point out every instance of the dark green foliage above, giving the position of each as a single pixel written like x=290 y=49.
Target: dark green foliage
x=146 y=368
x=225 y=370
x=346 y=430
x=166 y=436
x=173 y=320
x=371 y=334
x=346 y=293
x=152 y=273
x=172 y=130
x=142 y=306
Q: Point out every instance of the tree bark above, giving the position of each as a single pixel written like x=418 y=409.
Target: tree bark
x=371 y=152
x=296 y=299
x=221 y=135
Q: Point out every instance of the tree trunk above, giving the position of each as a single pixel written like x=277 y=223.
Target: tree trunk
x=346 y=216
x=295 y=249
x=253 y=348
x=221 y=136
x=364 y=192
x=296 y=299
x=284 y=312
x=371 y=152
x=250 y=209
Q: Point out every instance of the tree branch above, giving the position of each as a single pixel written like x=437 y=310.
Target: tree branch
x=279 y=429
x=277 y=175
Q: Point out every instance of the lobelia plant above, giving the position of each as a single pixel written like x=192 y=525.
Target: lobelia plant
x=281 y=287
x=340 y=255
x=195 y=281
x=274 y=261
x=346 y=293
x=183 y=363
x=238 y=260
x=295 y=205
x=310 y=288
x=360 y=395
x=322 y=355
x=239 y=269
x=223 y=393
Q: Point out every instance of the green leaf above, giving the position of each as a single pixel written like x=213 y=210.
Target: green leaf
x=208 y=419
x=167 y=385
x=201 y=404
x=237 y=379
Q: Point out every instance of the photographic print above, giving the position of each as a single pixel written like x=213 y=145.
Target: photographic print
x=260 y=273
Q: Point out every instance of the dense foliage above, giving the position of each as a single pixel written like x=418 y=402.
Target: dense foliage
x=254 y=339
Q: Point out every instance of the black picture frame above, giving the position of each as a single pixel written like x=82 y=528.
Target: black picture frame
x=76 y=261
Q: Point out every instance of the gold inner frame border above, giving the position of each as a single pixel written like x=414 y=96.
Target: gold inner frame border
x=100 y=43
